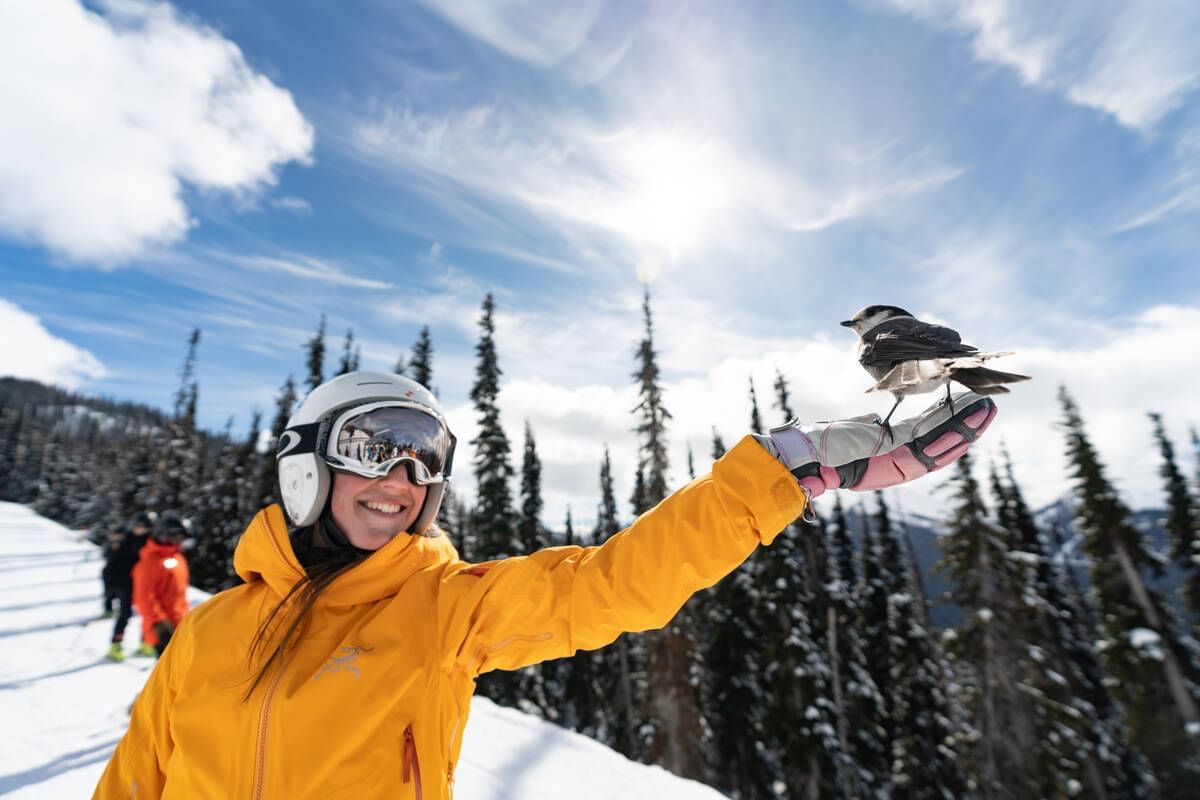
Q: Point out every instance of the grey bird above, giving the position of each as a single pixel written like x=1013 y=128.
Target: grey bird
x=907 y=356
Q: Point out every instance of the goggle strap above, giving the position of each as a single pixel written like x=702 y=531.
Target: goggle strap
x=300 y=439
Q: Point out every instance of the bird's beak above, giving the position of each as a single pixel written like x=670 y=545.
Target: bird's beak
x=847 y=323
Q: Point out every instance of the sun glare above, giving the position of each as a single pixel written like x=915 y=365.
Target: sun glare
x=673 y=188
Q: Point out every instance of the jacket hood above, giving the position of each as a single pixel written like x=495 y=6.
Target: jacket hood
x=265 y=554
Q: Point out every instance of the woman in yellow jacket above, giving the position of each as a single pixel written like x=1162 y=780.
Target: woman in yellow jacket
x=344 y=666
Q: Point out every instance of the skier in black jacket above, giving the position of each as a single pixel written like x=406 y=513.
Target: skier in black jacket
x=120 y=556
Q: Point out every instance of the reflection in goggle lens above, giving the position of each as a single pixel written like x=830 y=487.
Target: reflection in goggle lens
x=376 y=439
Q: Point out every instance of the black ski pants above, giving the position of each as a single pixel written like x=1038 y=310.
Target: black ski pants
x=123 y=593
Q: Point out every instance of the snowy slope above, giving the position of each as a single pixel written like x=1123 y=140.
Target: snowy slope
x=63 y=707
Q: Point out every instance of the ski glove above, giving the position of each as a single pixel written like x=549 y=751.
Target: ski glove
x=861 y=454
x=163 y=629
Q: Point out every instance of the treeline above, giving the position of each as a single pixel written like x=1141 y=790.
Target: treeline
x=813 y=670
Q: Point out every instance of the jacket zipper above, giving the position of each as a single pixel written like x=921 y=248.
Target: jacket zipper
x=450 y=765
x=412 y=767
x=260 y=762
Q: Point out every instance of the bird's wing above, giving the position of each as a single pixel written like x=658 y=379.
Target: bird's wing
x=905 y=339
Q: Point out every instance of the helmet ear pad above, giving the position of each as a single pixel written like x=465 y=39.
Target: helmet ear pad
x=304 y=482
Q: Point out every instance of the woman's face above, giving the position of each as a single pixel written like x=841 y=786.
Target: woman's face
x=371 y=511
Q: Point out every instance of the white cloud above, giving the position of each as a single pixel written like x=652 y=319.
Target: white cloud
x=39 y=355
x=109 y=114
x=1136 y=61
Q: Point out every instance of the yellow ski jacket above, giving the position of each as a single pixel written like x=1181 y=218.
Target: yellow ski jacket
x=372 y=701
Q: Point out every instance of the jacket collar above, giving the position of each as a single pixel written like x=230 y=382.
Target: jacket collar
x=265 y=553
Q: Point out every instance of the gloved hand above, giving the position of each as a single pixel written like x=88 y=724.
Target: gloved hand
x=163 y=629
x=846 y=454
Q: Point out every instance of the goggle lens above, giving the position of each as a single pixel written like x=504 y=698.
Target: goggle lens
x=374 y=441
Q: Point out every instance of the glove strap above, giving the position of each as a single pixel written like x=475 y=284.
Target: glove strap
x=792 y=444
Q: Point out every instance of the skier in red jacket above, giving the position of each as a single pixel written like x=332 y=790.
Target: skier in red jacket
x=160 y=581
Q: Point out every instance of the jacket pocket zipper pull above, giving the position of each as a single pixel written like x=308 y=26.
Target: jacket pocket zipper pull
x=412 y=767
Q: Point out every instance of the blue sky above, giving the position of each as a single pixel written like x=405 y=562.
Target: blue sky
x=1028 y=173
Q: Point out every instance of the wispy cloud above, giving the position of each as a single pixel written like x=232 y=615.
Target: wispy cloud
x=541 y=33
x=307 y=267
x=130 y=104
x=41 y=355
x=1136 y=61
x=296 y=205
x=665 y=170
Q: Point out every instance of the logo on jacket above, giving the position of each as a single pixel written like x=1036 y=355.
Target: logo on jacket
x=344 y=662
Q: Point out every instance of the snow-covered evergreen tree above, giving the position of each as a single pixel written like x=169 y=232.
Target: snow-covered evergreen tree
x=991 y=645
x=1079 y=748
x=1182 y=523
x=178 y=468
x=540 y=686
x=216 y=522
x=925 y=765
x=735 y=698
x=859 y=709
x=675 y=728
x=493 y=521
x=533 y=533
x=1154 y=677
x=616 y=709
x=268 y=475
x=421 y=365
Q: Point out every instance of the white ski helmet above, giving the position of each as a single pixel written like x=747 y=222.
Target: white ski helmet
x=310 y=444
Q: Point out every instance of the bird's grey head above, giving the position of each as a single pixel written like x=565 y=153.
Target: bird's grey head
x=871 y=316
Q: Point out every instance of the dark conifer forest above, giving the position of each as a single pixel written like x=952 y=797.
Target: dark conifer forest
x=999 y=652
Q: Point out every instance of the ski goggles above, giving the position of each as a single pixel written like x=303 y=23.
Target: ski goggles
x=369 y=440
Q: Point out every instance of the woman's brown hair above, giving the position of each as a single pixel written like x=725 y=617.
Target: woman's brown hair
x=296 y=607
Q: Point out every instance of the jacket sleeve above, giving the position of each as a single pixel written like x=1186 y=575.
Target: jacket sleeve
x=518 y=611
x=144 y=598
x=138 y=766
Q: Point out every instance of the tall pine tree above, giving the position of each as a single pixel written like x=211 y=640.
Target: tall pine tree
x=421 y=365
x=675 y=726
x=268 y=475
x=349 y=362
x=1183 y=520
x=315 y=348
x=494 y=523
x=534 y=535
x=1079 y=735
x=1139 y=638
x=178 y=469
x=991 y=644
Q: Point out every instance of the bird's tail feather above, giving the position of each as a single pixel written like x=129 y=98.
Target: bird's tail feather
x=982 y=380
